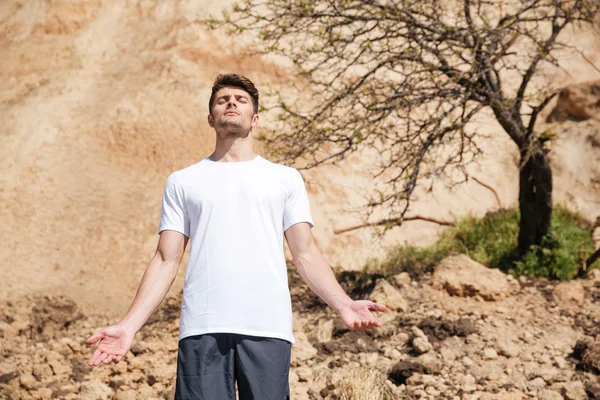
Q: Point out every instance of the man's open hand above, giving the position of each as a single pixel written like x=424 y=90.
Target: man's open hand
x=357 y=315
x=113 y=343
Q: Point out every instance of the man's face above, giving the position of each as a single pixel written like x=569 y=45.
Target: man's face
x=232 y=112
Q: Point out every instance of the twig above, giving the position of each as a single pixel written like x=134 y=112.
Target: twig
x=394 y=221
x=491 y=189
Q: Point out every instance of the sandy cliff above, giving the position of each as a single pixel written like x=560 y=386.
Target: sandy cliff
x=101 y=100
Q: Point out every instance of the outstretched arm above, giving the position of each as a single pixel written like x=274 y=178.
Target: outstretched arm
x=115 y=341
x=316 y=272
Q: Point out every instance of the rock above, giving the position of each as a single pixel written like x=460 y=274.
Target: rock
x=569 y=294
x=293 y=377
x=386 y=294
x=28 y=382
x=536 y=384
x=440 y=329
x=467 y=362
x=422 y=345
x=574 y=391
x=593 y=392
x=591 y=357
x=325 y=330
x=9 y=376
x=433 y=365
x=368 y=358
x=52 y=314
x=304 y=374
x=95 y=390
x=546 y=394
x=302 y=350
x=401 y=279
x=128 y=394
x=417 y=332
x=507 y=348
x=461 y=276
x=588 y=351
x=42 y=371
x=450 y=354
x=59 y=365
x=404 y=370
x=468 y=384
x=489 y=354
x=578 y=101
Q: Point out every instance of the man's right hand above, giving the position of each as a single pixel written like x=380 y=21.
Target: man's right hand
x=113 y=343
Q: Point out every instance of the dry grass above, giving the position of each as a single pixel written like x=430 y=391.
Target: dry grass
x=365 y=384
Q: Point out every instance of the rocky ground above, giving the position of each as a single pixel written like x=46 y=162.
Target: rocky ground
x=462 y=332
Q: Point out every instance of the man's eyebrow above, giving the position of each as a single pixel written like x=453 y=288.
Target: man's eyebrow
x=226 y=96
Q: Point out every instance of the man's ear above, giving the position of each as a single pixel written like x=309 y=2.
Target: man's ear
x=211 y=121
x=254 y=120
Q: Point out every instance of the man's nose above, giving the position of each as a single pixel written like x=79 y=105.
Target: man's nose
x=231 y=103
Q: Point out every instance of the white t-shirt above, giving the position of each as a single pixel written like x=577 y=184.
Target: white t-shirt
x=235 y=215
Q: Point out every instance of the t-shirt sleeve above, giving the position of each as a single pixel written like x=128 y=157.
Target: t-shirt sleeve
x=173 y=215
x=297 y=207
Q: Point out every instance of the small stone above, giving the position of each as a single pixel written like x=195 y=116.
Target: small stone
x=303 y=349
x=28 y=382
x=304 y=374
x=387 y=294
x=574 y=391
x=128 y=394
x=546 y=394
x=401 y=279
x=422 y=345
x=418 y=332
x=42 y=371
x=536 y=384
x=430 y=390
x=293 y=377
x=325 y=330
x=490 y=354
x=432 y=364
x=569 y=294
x=467 y=362
x=508 y=349
x=368 y=358
x=95 y=390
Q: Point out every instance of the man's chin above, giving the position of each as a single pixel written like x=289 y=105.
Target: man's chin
x=235 y=130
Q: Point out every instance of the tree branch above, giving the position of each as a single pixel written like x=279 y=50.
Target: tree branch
x=395 y=221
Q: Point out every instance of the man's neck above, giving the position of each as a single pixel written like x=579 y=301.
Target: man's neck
x=236 y=151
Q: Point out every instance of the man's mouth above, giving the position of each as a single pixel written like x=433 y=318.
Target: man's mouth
x=231 y=113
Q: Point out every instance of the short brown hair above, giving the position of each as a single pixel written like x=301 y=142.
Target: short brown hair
x=235 y=80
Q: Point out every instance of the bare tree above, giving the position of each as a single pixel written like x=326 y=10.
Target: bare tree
x=408 y=78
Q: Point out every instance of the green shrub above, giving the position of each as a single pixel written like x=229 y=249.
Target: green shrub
x=492 y=241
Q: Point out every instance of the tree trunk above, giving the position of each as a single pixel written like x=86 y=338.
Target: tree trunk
x=535 y=196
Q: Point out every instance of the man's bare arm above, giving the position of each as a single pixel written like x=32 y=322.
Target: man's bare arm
x=115 y=341
x=157 y=280
x=316 y=272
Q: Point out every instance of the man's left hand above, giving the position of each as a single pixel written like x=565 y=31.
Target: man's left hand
x=357 y=315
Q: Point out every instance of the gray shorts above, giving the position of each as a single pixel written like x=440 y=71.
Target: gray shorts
x=209 y=365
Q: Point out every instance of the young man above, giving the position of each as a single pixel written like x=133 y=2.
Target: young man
x=236 y=315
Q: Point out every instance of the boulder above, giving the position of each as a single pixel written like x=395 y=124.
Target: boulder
x=461 y=276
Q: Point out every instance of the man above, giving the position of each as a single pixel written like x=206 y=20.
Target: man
x=236 y=315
